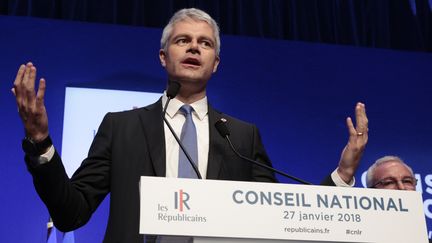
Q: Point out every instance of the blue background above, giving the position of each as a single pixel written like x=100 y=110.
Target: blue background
x=297 y=93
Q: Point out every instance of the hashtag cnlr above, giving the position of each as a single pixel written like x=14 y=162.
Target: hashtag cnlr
x=353 y=232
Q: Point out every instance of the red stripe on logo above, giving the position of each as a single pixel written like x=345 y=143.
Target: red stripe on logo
x=181 y=201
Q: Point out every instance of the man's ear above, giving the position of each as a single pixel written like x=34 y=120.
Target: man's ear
x=216 y=64
x=162 y=57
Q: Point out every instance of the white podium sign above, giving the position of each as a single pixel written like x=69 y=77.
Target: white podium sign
x=271 y=211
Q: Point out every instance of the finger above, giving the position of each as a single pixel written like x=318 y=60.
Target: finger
x=351 y=130
x=31 y=80
x=24 y=91
x=14 y=93
x=361 y=118
x=27 y=72
x=18 y=84
x=41 y=93
x=362 y=123
x=29 y=97
x=19 y=76
x=350 y=126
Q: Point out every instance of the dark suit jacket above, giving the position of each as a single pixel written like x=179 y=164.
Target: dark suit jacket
x=128 y=145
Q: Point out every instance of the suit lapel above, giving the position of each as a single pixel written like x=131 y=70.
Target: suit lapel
x=217 y=146
x=153 y=126
x=151 y=119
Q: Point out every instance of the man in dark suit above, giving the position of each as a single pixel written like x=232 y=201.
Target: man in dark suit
x=137 y=143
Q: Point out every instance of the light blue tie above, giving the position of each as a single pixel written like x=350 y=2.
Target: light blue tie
x=188 y=137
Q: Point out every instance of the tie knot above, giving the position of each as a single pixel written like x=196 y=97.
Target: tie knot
x=186 y=109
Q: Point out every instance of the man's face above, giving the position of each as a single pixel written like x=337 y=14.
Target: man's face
x=393 y=175
x=191 y=52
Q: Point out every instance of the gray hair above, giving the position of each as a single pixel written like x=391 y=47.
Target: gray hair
x=194 y=14
x=380 y=161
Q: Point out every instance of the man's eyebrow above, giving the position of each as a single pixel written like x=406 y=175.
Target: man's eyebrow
x=212 y=39
x=206 y=38
x=180 y=35
x=387 y=178
x=394 y=178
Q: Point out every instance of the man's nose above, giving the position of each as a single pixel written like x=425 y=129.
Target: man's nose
x=194 y=43
x=193 y=47
x=401 y=186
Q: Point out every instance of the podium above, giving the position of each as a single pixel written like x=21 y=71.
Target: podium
x=214 y=211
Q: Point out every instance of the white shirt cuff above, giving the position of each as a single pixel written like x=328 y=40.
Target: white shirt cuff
x=339 y=182
x=46 y=157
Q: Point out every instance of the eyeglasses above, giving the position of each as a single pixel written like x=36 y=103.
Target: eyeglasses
x=390 y=183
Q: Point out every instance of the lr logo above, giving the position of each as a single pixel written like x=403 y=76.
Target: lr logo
x=180 y=200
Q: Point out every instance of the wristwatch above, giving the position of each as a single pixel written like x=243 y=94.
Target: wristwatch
x=34 y=148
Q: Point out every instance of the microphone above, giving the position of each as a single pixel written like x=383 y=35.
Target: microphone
x=172 y=91
x=225 y=133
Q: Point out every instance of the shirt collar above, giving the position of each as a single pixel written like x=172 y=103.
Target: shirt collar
x=200 y=106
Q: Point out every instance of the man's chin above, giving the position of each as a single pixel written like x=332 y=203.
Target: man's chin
x=190 y=79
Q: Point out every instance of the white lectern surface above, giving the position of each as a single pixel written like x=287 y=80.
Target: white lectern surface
x=232 y=209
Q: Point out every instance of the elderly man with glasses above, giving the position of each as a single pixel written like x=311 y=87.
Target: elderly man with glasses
x=391 y=172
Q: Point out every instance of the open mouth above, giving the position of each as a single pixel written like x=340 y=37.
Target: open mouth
x=190 y=61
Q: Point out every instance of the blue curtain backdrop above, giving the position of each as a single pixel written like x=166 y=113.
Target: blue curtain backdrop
x=402 y=24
